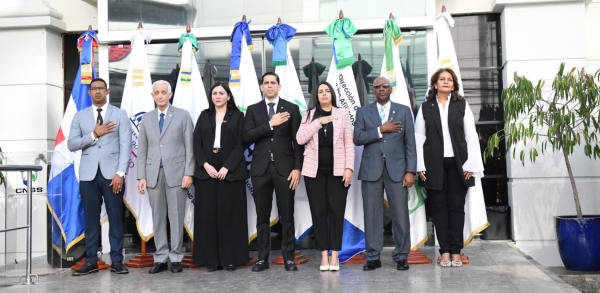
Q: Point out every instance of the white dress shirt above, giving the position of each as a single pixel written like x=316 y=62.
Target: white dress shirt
x=276 y=101
x=388 y=105
x=448 y=150
x=217 y=143
x=164 y=112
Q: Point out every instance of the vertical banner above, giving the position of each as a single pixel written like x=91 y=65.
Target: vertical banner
x=279 y=35
x=391 y=68
x=244 y=87
x=137 y=100
x=342 y=79
x=64 y=200
x=190 y=95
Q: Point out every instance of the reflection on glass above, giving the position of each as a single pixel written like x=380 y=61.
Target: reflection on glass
x=160 y=14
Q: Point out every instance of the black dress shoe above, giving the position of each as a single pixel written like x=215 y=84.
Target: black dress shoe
x=118 y=268
x=176 y=267
x=158 y=267
x=87 y=268
x=371 y=265
x=213 y=268
x=230 y=268
x=402 y=265
x=290 y=266
x=260 y=266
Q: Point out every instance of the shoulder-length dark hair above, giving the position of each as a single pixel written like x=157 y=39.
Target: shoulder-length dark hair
x=432 y=93
x=230 y=104
x=318 y=110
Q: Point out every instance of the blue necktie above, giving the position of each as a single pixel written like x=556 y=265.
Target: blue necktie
x=382 y=114
x=271 y=110
x=161 y=122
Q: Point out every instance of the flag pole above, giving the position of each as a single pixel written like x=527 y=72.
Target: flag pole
x=142 y=259
x=101 y=264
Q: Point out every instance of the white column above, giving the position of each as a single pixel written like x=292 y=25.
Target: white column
x=31 y=104
x=536 y=38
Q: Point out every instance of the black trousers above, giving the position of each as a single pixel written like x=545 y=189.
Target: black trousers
x=327 y=199
x=448 y=209
x=92 y=193
x=263 y=198
x=220 y=222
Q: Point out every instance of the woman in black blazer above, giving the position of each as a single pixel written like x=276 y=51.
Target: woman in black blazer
x=448 y=159
x=220 y=222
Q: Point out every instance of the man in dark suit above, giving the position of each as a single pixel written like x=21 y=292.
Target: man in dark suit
x=103 y=134
x=389 y=162
x=276 y=163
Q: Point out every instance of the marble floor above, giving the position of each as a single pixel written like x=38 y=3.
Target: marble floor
x=495 y=266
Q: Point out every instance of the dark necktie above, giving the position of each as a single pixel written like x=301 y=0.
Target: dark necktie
x=161 y=121
x=99 y=120
x=271 y=109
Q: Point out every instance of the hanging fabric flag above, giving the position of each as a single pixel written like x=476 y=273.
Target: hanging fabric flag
x=137 y=100
x=446 y=52
x=64 y=200
x=341 y=78
x=279 y=36
x=475 y=213
x=191 y=96
x=391 y=68
x=244 y=87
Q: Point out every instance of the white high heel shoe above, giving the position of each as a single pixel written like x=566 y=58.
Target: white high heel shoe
x=325 y=268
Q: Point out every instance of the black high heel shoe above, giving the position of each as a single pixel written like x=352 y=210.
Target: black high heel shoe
x=230 y=268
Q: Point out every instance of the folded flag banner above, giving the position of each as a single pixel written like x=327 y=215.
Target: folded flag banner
x=244 y=87
x=475 y=213
x=190 y=95
x=64 y=200
x=341 y=77
x=391 y=68
x=279 y=35
x=137 y=100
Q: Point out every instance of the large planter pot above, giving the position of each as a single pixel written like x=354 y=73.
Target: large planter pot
x=579 y=242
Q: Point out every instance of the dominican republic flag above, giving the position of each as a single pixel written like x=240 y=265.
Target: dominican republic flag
x=137 y=100
x=344 y=84
x=279 y=36
x=244 y=87
x=391 y=68
x=475 y=214
x=64 y=200
x=190 y=95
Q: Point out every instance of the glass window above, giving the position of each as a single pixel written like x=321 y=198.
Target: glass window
x=161 y=14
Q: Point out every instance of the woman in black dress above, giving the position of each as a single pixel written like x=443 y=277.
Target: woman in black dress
x=220 y=222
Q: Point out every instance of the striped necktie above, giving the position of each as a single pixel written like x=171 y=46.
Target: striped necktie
x=382 y=114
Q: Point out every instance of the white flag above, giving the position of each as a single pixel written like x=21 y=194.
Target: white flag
x=353 y=241
x=416 y=202
x=475 y=213
x=246 y=93
x=292 y=92
x=191 y=96
x=446 y=52
x=137 y=100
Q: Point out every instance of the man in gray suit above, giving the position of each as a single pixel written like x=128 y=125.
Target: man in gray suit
x=103 y=134
x=389 y=162
x=165 y=165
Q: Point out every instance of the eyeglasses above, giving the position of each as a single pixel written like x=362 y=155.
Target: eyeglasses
x=385 y=86
x=97 y=89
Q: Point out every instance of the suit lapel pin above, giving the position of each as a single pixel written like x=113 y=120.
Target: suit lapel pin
x=432 y=105
x=393 y=112
x=170 y=115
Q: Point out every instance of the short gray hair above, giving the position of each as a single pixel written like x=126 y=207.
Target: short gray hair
x=162 y=82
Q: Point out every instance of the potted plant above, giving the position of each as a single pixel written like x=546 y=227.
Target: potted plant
x=568 y=118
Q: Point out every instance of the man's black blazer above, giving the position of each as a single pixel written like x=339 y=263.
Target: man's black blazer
x=232 y=145
x=281 y=141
